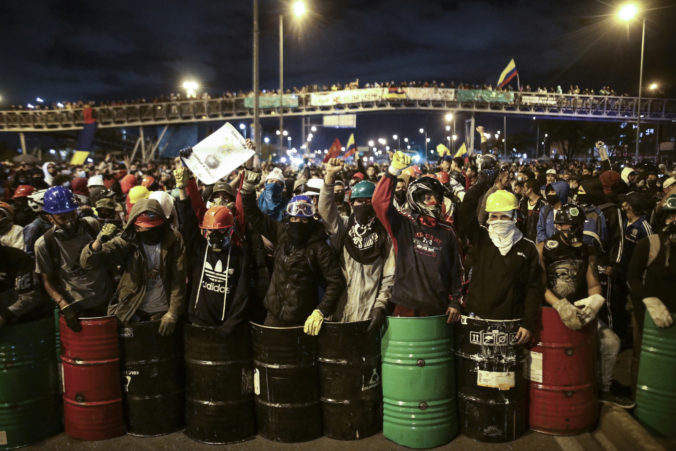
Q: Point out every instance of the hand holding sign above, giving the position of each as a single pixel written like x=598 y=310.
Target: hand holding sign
x=218 y=155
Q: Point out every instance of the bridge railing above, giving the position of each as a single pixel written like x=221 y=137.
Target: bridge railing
x=369 y=99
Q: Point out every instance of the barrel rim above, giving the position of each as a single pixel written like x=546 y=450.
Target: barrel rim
x=260 y=326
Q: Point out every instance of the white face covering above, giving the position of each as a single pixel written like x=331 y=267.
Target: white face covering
x=504 y=234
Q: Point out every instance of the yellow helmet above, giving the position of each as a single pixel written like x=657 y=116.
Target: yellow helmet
x=501 y=200
x=137 y=193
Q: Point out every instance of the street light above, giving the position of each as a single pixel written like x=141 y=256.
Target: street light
x=396 y=138
x=423 y=131
x=627 y=13
x=370 y=143
x=448 y=117
x=299 y=10
x=266 y=140
x=243 y=128
x=653 y=86
x=190 y=87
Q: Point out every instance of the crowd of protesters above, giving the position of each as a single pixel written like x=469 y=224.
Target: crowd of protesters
x=287 y=246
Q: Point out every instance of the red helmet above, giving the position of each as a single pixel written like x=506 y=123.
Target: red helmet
x=443 y=177
x=218 y=217
x=148 y=181
x=149 y=219
x=23 y=191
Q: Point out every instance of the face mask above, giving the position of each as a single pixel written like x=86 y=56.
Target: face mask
x=339 y=196
x=573 y=237
x=503 y=233
x=363 y=213
x=274 y=190
x=219 y=241
x=152 y=236
x=553 y=199
x=298 y=232
x=400 y=196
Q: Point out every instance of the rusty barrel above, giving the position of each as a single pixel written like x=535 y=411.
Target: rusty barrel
x=152 y=378
x=92 y=392
x=219 y=405
x=492 y=390
x=286 y=384
x=563 y=395
x=349 y=376
x=30 y=410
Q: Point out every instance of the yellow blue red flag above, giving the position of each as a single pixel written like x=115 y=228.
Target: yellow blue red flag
x=507 y=74
x=351 y=148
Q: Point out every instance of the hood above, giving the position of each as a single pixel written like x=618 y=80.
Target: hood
x=625 y=174
x=561 y=189
x=128 y=182
x=608 y=179
x=138 y=208
x=79 y=186
x=594 y=189
x=48 y=177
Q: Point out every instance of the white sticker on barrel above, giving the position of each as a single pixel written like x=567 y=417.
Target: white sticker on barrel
x=127 y=332
x=3 y=437
x=257 y=381
x=535 y=370
x=495 y=379
x=63 y=379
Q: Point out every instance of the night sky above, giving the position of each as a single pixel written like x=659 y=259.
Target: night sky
x=76 y=49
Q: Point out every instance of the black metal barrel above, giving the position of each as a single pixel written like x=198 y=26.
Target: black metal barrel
x=349 y=377
x=152 y=377
x=492 y=390
x=219 y=404
x=286 y=384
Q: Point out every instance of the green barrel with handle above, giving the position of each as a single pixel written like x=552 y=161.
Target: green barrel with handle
x=418 y=378
x=656 y=386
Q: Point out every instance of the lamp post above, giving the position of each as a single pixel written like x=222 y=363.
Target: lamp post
x=627 y=13
x=299 y=11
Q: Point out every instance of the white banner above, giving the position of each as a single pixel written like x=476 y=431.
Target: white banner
x=340 y=121
x=218 y=155
x=346 y=96
x=535 y=99
x=430 y=93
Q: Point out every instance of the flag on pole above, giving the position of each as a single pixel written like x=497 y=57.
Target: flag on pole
x=442 y=150
x=86 y=138
x=334 y=151
x=351 y=148
x=461 y=151
x=507 y=74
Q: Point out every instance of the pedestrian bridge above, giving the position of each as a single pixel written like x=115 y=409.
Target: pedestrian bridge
x=350 y=101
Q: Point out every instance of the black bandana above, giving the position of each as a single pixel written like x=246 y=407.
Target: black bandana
x=365 y=243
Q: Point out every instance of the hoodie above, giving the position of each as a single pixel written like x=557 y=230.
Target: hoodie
x=125 y=250
x=625 y=174
x=48 y=177
x=545 y=227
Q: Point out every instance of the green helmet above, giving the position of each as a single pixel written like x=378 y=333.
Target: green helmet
x=363 y=190
x=670 y=203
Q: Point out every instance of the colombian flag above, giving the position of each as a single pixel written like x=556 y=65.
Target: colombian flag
x=442 y=150
x=351 y=148
x=334 y=151
x=507 y=74
x=462 y=151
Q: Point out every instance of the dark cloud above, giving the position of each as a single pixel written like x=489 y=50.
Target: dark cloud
x=75 y=49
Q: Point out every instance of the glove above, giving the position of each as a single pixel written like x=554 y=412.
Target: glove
x=377 y=319
x=71 y=316
x=658 y=312
x=185 y=152
x=167 y=324
x=568 y=314
x=181 y=176
x=313 y=323
x=589 y=307
x=107 y=232
x=251 y=179
x=400 y=161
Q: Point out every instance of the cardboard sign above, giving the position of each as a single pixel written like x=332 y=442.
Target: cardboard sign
x=218 y=155
x=79 y=157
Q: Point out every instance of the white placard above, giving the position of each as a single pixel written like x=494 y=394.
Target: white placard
x=495 y=379
x=218 y=155
x=535 y=371
x=257 y=381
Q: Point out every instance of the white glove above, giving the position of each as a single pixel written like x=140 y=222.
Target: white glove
x=568 y=314
x=658 y=312
x=589 y=307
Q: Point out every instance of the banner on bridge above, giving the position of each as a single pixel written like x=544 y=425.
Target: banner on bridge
x=430 y=94
x=272 y=101
x=538 y=99
x=346 y=96
x=483 y=95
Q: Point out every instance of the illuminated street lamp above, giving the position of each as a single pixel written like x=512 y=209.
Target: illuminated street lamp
x=448 y=117
x=266 y=140
x=396 y=138
x=424 y=132
x=653 y=86
x=370 y=143
x=190 y=87
x=242 y=127
x=627 y=13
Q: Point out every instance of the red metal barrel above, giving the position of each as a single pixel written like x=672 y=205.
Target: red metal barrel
x=92 y=391
x=563 y=396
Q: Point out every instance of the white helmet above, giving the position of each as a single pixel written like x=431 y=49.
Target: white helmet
x=35 y=200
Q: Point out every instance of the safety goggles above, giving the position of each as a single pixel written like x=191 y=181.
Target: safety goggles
x=670 y=203
x=300 y=209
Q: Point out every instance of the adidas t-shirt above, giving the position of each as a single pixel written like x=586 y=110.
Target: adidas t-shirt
x=210 y=304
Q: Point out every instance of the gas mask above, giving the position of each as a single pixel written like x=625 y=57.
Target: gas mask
x=573 y=236
x=219 y=240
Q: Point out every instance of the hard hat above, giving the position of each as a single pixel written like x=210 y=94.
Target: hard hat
x=36 y=200
x=137 y=193
x=501 y=200
x=148 y=181
x=149 y=219
x=23 y=191
x=218 y=217
x=569 y=214
x=59 y=200
x=363 y=190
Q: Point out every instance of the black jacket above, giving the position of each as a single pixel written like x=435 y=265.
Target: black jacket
x=298 y=272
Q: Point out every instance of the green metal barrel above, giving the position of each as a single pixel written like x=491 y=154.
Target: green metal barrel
x=656 y=386
x=419 y=404
x=30 y=409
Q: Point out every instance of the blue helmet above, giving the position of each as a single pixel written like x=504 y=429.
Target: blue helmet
x=59 y=200
x=300 y=207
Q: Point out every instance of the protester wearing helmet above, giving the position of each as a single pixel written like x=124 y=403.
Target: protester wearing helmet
x=574 y=290
x=428 y=272
x=302 y=259
x=364 y=248
x=651 y=276
x=76 y=290
x=506 y=278
x=152 y=257
x=23 y=214
x=11 y=234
